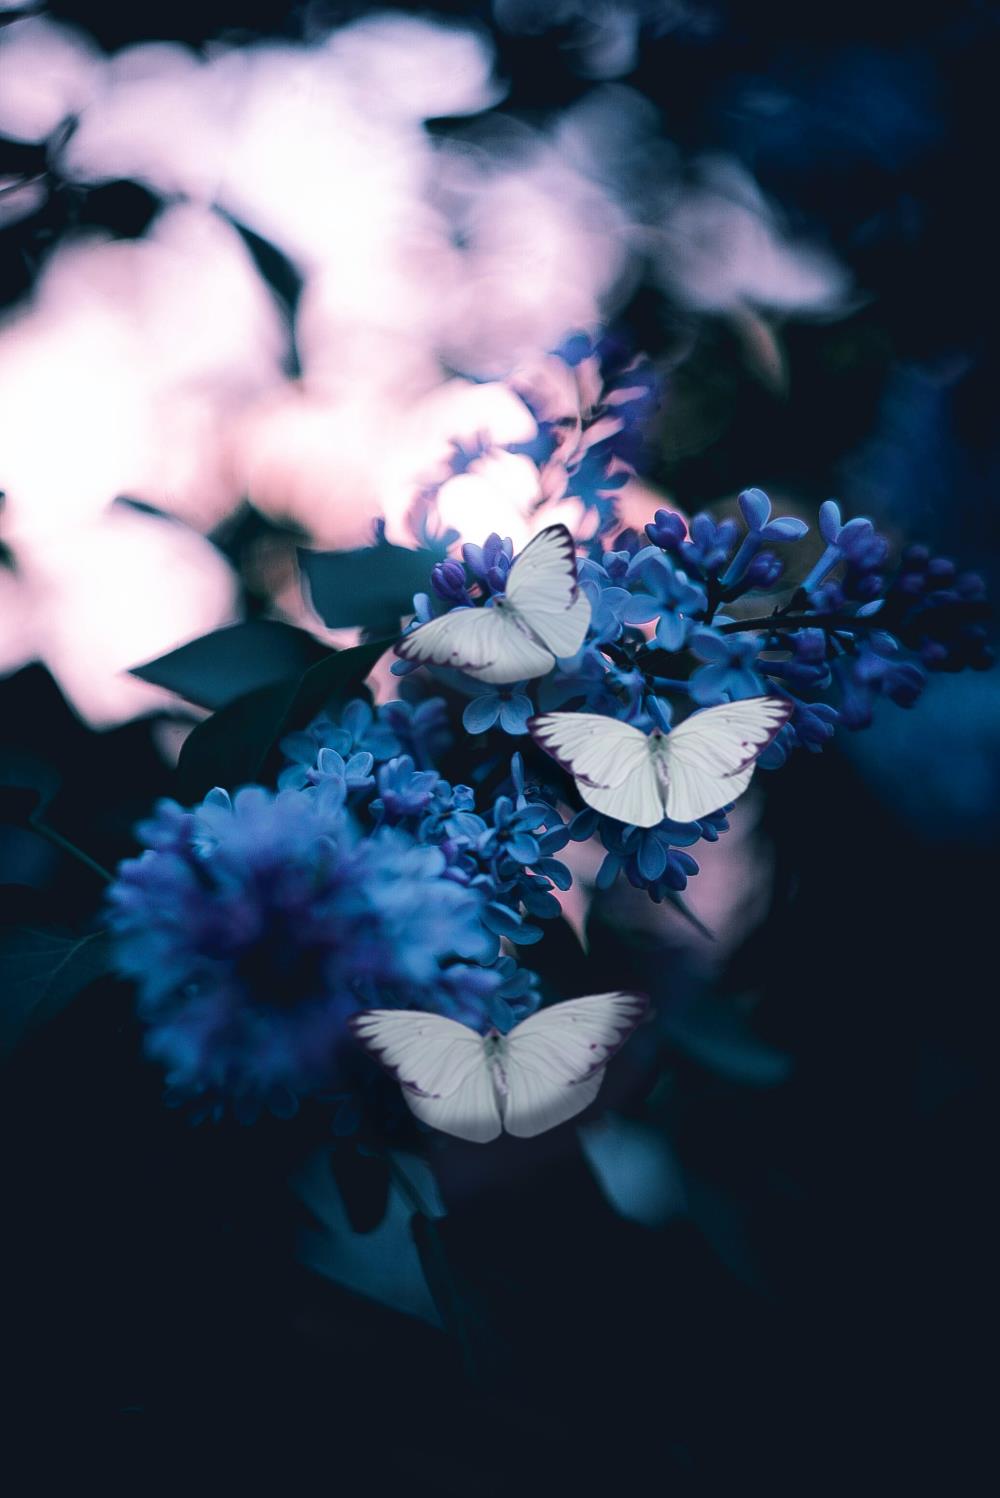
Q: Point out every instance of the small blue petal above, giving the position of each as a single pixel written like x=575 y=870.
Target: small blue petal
x=481 y=713
x=785 y=529
x=755 y=508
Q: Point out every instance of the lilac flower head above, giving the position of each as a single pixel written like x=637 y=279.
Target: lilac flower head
x=253 y=941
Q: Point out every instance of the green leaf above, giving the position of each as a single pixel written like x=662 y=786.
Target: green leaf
x=716 y=1033
x=41 y=972
x=232 y=747
x=232 y=662
x=27 y=785
x=635 y=1168
x=372 y=587
x=383 y=1264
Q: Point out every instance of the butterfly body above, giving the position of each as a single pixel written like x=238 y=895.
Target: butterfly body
x=521 y=633
x=544 y=1071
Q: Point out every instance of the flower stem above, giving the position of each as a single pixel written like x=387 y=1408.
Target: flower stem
x=799 y=621
x=57 y=839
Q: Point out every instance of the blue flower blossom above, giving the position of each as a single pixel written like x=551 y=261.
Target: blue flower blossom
x=254 y=939
x=666 y=530
x=856 y=542
x=510 y=706
x=755 y=507
x=490 y=563
x=403 y=790
x=448 y=582
x=421 y=728
x=729 y=674
x=650 y=858
x=668 y=597
x=711 y=543
x=359 y=730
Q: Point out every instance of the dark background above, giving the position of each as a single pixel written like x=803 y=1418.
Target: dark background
x=821 y=1309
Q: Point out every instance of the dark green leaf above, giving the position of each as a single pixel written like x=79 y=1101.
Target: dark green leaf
x=635 y=1168
x=41 y=972
x=232 y=747
x=372 y=587
x=26 y=859
x=716 y=1033
x=383 y=1264
x=27 y=785
x=232 y=662
x=275 y=267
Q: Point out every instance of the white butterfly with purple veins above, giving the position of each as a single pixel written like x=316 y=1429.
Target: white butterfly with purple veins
x=520 y=633
x=544 y=1071
x=639 y=778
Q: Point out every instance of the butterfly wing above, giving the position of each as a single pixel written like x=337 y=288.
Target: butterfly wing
x=554 y=1062
x=597 y=751
x=441 y=1067
x=483 y=643
x=543 y=590
x=638 y=800
x=610 y=761
x=711 y=755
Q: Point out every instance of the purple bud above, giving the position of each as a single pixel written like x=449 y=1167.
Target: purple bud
x=933 y=654
x=941 y=569
x=970 y=585
x=809 y=644
x=868 y=588
x=764 y=570
x=666 y=530
x=905 y=685
x=915 y=558
x=910 y=583
x=448 y=581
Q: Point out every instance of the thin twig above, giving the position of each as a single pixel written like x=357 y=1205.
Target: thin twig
x=57 y=839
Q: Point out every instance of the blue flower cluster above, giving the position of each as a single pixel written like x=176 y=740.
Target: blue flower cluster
x=716 y=610
x=255 y=926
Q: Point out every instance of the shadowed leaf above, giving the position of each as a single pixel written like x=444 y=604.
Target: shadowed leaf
x=41 y=972
x=231 y=747
x=372 y=587
x=231 y=662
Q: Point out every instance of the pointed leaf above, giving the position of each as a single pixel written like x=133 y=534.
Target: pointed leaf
x=372 y=587
x=41 y=972
x=216 y=669
x=231 y=747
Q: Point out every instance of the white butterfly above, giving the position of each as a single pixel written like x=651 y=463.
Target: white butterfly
x=546 y=1070
x=541 y=615
x=702 y=764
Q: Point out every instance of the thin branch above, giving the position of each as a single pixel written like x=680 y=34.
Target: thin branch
x=58 y=841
